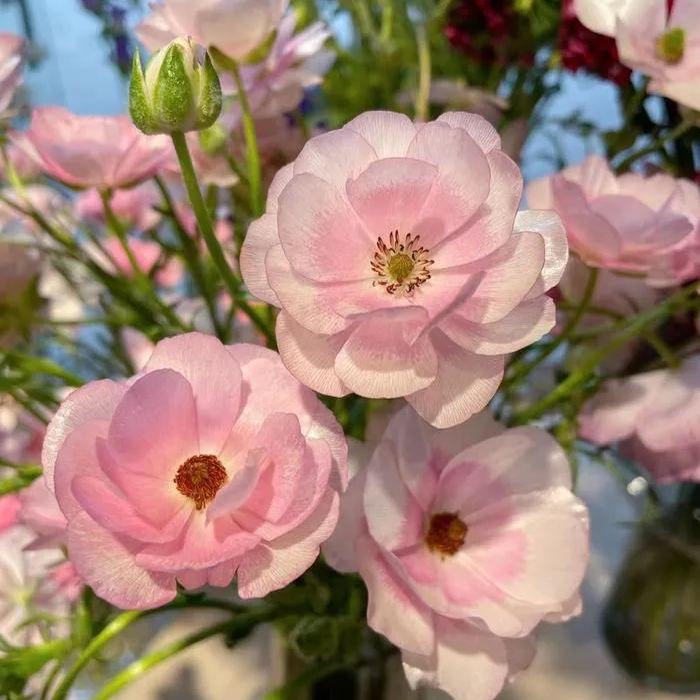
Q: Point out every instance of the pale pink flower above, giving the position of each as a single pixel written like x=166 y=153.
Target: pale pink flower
x=628 y=223
x=654 y=418
x=40 y=512
x=11 y=49
x=600 y=15
x=149 y=257
x=401 y=272
x=39 y=198
x=134 y=207
x=295 y=63
x=463 y=537
x=102 y=152
x=10 y=506
x=213 y=462
x=32 y=583
x=21 y=434
x=663 y=44
x=236 y=27
x=20 y=153
x=138 y=347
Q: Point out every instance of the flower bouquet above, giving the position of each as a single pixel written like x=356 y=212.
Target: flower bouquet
x=293 y=342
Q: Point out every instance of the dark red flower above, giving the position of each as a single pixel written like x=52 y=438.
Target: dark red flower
x=488 y=31
x=582 y=49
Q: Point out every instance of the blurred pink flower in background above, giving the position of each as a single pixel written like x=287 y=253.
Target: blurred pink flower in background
x=629 y=223
x=133 y=207
x=213 y=462
x=295 y=63
x=654 y=417
x=41 y=513
x=10 y=506
x=33 y=583
x=101 y=152
x=11 y=49
x=463 y=537
x=236 y=27
x=398 y=271
x=664 y=44
x=148 y=255
x=24 y=159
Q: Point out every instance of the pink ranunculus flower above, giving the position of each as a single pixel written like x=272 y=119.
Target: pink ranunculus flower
x=11 y=50
x=629 y=223
x=466 y=539
x=236 y=27
x=653 y=417
x=401 y=272
x=211 y=463
x=101 y=152
x=134 y=207
x=665 y=44
x=295 y=63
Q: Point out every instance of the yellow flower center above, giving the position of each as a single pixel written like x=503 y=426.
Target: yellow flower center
x=670 y=46
x=401 y=266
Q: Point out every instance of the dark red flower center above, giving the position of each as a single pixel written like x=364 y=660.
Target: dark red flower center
x=200 y=479
x=446 y=533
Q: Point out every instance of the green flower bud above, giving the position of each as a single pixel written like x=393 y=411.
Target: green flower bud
x=179 y=91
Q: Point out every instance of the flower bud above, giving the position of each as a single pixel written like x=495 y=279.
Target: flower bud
x=179 y=91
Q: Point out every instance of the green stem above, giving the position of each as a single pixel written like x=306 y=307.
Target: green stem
x=141 y=277
x=205 y=226
x=566 y=332
x=115 y=627
x=136 y=669
x=192 y=260
x=671 y=135
x=630 y=329
x=251 y=139
x=422 y=105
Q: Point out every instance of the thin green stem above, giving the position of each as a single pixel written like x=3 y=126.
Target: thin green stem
x=662 y=349
x=212 y=242
x=115 y=627
x=566 y=332
x=422 y=104
x=192 y=260
x=140 y=275
x=656 y=145
x=251 y=139
x=136 y=669
x=587 y=366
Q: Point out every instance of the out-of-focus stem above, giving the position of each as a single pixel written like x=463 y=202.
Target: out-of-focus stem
x=207 y=230
x=424 y=73
x=251 y=139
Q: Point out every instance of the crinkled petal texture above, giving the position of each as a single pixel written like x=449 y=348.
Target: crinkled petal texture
x=213 y=461
x=653 y=416
x=101 y=152
x=236 y=27
x=647 y=226
x=466 y=539
x=399 y=271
